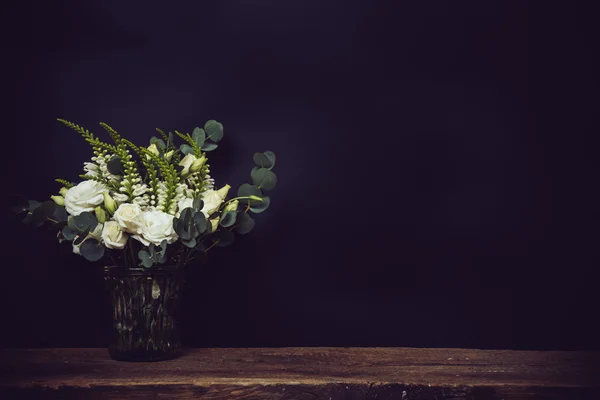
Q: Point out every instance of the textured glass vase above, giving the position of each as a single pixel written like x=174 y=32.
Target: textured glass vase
x=145 y=305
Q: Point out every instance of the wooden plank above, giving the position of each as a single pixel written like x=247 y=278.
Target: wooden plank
x=303 y=373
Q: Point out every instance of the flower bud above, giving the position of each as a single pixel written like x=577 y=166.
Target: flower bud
x=168 y=155
x=214 y=224
x=100 y=214
x=198 y=163
x=59 y=200
x=109 y=203
x=63 y=191
x=152 y=149
x=223 y=191
x=231 y=206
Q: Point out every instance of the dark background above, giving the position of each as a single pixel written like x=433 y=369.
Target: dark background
x=437 y=176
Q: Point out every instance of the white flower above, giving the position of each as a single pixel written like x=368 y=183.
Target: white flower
x=113 y=236
x=96 y=234
x=186 y=163
x=84 y=197
x=128 y=216
x=183 y=204
x=212 y=201
x=120 y=197
x=156 y=226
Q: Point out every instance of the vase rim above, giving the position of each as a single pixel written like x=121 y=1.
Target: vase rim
x=116 y=269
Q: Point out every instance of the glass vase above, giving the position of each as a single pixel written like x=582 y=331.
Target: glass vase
x=145 y=307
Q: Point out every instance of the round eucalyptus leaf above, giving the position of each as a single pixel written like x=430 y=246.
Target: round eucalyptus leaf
x=200 y=222
x=160 y=144
x=261 y=160
x=68 y=233
x=214 y=130
x=209 y=146
x=143 y=255
x=186 y=149
x=81 y=237
x=191 y=243
x=92 y=250
x=60 y=214
x=199 y=136
x=223 y=238
x=264 y=179
x=246 y=190
x=245 y=224
x=257 y=208
x=48 y=208
x=115 y=166
x=33 y=204
x=228 y=219
x=84 y=221
x=198 y=204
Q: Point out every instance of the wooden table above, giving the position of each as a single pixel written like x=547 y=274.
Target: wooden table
x=303 y=373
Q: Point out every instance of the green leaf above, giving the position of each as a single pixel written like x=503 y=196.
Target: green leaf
x=92 y=250
x=228 y=219
x=158 y=142
x=185 y=225
x=246 y=190
x=33 y=204
x=143 y=255
x=68 y=233
x=214 y=130
x=191 y=243
x=115 y=166
x=264 y=179
x=84 y=221
x=48 y=208
x=209 y=146
x=264 y=160
x=198 y=204
x=200 y=222
x=223 y=238
x=186 y=149
x=170 y=140
x=257 y=208
x=245 y=224
x=152 y=251
x=81 y=237
x=60 y=214
x=199 y=136
x=38 y=217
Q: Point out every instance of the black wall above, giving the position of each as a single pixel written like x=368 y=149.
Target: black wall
x=437 y=173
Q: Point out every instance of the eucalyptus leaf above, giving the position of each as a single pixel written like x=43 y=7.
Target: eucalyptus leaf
x=264 y=179
x=48 y=208
x=199 y=136
x=245 y=224
x=38 y=217
x=198 y=204
x=214 y=130
x=246 y=190
x=228 y=219
x=81 y=237
x=68 y=233
x=223 y=238
x=143 y=255
x=60 y=214
x=186 y=149
x=84 y=221
x=257 y=208
x=115 y=166
x=158 y=142
x=191 y=243
x=200 y=222
x=262 y=160
x=209 y=146
x=92 y=250
x=33 y=204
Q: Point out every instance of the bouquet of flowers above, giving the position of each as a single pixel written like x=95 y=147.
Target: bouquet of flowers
x=151 y=205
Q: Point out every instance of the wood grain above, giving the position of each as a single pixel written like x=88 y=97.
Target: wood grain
x=303 y=373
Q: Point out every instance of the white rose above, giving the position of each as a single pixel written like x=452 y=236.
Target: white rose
x=156 y=226
x=128 y=216
x=96 y=234
x=84 y=197
x=113 y=236
x=183 y=204
x=186 y=163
